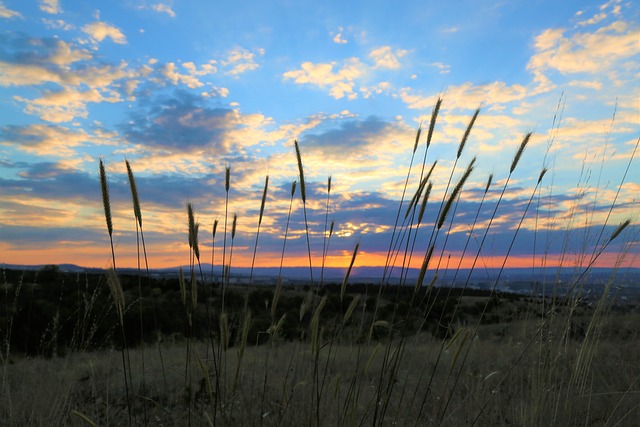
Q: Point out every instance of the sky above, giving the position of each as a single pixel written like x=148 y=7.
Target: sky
x=184 y=90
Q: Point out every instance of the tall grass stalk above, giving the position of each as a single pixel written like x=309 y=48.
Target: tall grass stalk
x=303 y=197
x=326 y=238
x=116 y=289
x=255 y=246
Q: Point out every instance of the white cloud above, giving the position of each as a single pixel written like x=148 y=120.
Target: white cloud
x=50 y=6
x=382 y=87
x=51 y=67
x=338 y=37
x=467 y=96
x=583 y=52
x=205 y=69
x=50 y=140
x=240 y=60
x=58 y=24
x=65 y=105
x=190 y=79
x=385 y=57
x=169 y=71
x=594 y=20
x=99 y=31
x=8 y=13
x=586 y=84
x=340 y=82
x=442 y=68
x=164 y=8
x=222 y=92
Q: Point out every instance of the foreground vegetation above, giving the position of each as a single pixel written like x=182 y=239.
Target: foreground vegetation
x=69 y=378
x=129 y=349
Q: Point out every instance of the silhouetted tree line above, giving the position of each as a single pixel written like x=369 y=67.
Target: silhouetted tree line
x=49 y=312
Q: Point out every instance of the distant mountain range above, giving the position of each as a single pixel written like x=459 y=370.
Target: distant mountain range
x=629 y=276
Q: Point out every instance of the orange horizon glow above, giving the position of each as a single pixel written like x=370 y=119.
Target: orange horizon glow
x=90 y=257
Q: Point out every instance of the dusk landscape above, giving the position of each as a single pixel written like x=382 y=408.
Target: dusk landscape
x=331 y=213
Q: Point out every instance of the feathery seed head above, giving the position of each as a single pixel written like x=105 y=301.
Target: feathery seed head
x=455 y=193
x=192 y=224
x=134 y=194
x=542 y=174
x=432 y=123
x=423 y=269
x=621 y=227
x=488 y=183
x=516 y=158
x=415 y=146
x=105 y=198
x=303 y=192
x=116 y=292
x=193 y=231
x=424 y=202
x=264 y=198
x=233 y=227
x=467 y=132
x=227 y=178
x=346 y=277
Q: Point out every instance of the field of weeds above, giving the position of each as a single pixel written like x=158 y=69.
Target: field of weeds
x=199 y=350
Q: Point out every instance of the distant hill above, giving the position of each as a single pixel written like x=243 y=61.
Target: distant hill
x=624 y=276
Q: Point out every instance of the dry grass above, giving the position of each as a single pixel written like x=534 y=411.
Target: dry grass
x=548 y=362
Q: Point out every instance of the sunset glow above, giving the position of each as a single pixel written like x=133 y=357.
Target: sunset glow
x=184 y=90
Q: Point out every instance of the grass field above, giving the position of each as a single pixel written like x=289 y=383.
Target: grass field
x=119 y=349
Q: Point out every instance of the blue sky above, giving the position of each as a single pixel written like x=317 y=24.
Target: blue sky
x=185 y=89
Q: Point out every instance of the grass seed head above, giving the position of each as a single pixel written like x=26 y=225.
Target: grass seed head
x=104 y=187
x=116 y=292
x=134 y=194
x=233 y=226
x=415 y=146
x=432 y=123
x=352 y=306
x=542 y=174
x=455 y=193
x=424 y=202
x=467 y=132
x=621 y=227
x=303 y=192
x=486 y=189
x=346 y=277
x=264 y=198
x=516 y=158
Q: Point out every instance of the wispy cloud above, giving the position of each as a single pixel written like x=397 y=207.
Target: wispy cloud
x=442 y=68
x=50 y=6
x=341 y=81
x=98 y=31
x=240 y=61
x=386 y=57
x=338 y=38
x=588 y=52
x=190 y=78
x=5 y=12
x=163 y=8
x=65 y=105
x=50 y=140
